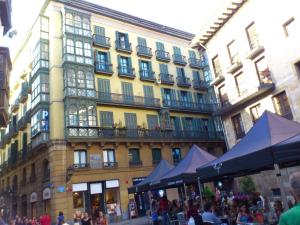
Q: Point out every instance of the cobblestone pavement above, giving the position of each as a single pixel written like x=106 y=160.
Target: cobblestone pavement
x=137 y=221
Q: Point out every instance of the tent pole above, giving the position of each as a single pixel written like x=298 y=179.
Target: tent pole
x=185 y=194
x=200 y=192
x=281 y=185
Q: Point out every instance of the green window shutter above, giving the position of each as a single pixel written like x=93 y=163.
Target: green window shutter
x=196 y=124
x=148 y=91
x=118 y=36
x=127 y=88
x=119 y=61
x=196 y=75
x=142 y=41
x=176 y=50
x=184 y=123
x=106 y=119
x=103 y=85
x=108 y=58
x=177 y=124
x=160 y=46
x=130 y=120
x=189 y=97
x=129 y=63
x=163 y=68
x=211 y=125
x=126 y=38
x=140 y=65
x=179 y=72
x=24 y=140
x=152 y=121
x=150 y=66
x=162 y=94
x=192 y=54
x=179 y=95
x=99 y=30
x=173 y=97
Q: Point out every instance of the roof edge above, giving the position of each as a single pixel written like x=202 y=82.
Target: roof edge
x=114 y=14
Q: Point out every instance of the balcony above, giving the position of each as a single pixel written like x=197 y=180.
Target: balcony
x=101 y=41
x=235 y=66
x=13 y=131
x=135 y=163
x=15 y=106
x=80 y=166
x=144 y=51
x=4 y=118
x=5 y=15
x=126 y=72
x=103 y=68
x=28 y=116
x=110 y=165
x=189 y=106
x=24 y=92
x=255 y=48
x=200 y=85
x=122 y=46
x=162 y=55
x=138 y=135
x=166 y=78
x=219 y=78
x=183 y=82
x=127 y=100
x=179 y=59
x=195 y=63
x=146 y=75
x=22 y=123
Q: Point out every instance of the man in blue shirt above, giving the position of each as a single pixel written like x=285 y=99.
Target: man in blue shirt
x=208 y=216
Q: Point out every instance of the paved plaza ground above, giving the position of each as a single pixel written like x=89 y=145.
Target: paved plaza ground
x=137 y=221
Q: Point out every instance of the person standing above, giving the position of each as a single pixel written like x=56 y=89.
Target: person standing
x=60 y=218
x=164 y=209
x=45 y=219
x=1 y=218
x=86 y=220
x=292 y=216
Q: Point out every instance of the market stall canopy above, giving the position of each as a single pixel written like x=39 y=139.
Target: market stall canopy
x=287 y=153
x=159 y=171
x=185 y=171
x=254 y=152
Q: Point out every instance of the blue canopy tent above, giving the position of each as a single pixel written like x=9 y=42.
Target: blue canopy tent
x=255 y=152
x=159 y=171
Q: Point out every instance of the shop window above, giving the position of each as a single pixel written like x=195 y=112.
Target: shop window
x=78 y=200
x=176 y=154
x=238 y=126
x=80 y=159
x=282 y=106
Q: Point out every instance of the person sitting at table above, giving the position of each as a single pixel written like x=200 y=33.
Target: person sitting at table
x=278 y=210
x=209 y=216
x=193 y=212
x=243 y=216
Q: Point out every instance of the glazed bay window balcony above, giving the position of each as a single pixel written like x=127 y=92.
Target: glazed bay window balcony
x=103 y=68
x=144 y=51
x=200 y=85
x=123 y=46
x=135 y=163
x=146 y=75
x=162 y=55
x=183 y=82
x=195 y=63
x=3 y=108
x=123 y=134
x=101 y=41
x=126 y=72
x=24 y=92
x=179 y=59
x=15 y=106
x=189 y=106
x=166 y=78
x=127 y=100
x=22 y=123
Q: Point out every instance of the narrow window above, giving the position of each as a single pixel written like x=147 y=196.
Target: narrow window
x=238 y=126
x=282 y=106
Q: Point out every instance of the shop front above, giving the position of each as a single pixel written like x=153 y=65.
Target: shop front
x=46 y=200
x=33 y=204
x=97 y=196
x=141 y=199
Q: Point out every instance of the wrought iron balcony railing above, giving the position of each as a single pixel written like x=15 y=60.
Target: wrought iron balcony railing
x=200 y=85
x=140 y=133
x=146 y=75
x=190 y=106
x=127 y=72
x=162 y=55
x=103 y=68
x=144 y=51
x=101 y=41
x=179 y=59
x=135 y=163
x=195 y=63
x=183 y=82
x=80 y=165
x=123 y=46
x=166 y=78
x=110 y=164
x=131 y=100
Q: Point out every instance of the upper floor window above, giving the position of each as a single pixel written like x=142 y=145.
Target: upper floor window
x=289 y=27
x=241 y=84
x=233 y=53
x=134 y=155
x=255 y=112
x=40 y=56
x=82 y=116
x=176 y=155
x=282 y=106
x=122 y=41
x=78 y=50
x=223 y=96
x=125 y=65
x=109 y=156
x=40 y=89
x=263 y=71
x=106 y=119
x=77 y=24
x=217 y=66
x=145 y=68
x=156 y=155
x=238 y=126
x=80 y=158
x=252 y=36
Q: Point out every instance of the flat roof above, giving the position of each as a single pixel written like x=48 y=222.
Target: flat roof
x=218 y=21
x=97 y=9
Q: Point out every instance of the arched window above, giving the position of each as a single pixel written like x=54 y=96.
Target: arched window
x=87 y=50
x=92 y=115
x=71 y=78
x=83 y=122
x=46 y=170
x=80 y=79
x=70 y=46
x=73 y=115
x=69 y=19
x=78 y=22
x=78 y=48
x=89 y=80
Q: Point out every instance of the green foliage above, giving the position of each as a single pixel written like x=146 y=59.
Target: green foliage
x=207 y=193
x=247 y=184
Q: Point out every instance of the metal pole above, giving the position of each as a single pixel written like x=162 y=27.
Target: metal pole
x=281 y=185
x=185 y=194
x=200 y=192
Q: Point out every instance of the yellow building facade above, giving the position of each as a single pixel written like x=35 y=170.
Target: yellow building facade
x=98 y=98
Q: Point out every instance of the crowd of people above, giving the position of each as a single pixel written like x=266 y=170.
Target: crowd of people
x=227 y=209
